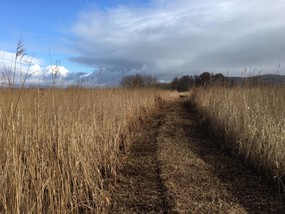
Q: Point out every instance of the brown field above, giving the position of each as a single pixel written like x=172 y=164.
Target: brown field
x=60 y=146
x=173 y=166
x=132 y=151
x=251 y=121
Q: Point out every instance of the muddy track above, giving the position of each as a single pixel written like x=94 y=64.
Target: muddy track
x=172 y=168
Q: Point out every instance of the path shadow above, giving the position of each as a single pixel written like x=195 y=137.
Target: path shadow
x=252 y=192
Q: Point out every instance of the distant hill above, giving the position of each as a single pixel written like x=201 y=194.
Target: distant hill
x=273 y=78
x=267 y=78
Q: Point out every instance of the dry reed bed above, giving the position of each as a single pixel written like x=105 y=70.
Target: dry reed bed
x=59 y=146
x=251 y=120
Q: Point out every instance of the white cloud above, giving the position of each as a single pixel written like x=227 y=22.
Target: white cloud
x=32 y=71
x=56 y=70
x=36 y=70
x=176 y=37
x=6 y=57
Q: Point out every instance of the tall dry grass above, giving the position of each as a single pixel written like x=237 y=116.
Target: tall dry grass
x=59 y=147
x=251 y=120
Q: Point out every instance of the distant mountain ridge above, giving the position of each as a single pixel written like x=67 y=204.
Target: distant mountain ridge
x=266 y=78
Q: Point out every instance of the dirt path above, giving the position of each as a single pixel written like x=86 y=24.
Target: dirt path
x=173 y=168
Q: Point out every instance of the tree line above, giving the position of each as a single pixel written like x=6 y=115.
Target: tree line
x=138 y=81
x=186 y=82
x=183 y=83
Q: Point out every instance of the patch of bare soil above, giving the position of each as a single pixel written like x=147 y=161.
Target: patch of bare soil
x=172 y=168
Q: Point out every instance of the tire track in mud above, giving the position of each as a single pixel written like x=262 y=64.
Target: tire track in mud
x=172 y=168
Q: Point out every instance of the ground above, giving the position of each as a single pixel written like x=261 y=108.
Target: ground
x=172 y=167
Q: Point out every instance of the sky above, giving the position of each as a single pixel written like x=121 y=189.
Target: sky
x=100 y=41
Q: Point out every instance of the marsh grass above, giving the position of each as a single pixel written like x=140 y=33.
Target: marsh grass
x=59 y=147
x=250 y=120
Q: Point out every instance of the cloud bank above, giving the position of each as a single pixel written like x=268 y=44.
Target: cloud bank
x=29 y=71
x=172 y=38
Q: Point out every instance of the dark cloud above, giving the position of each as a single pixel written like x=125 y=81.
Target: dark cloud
x=257 y=49
x=110 y=63
x=169 y=38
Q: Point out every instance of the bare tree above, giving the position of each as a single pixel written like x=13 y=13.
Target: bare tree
x=203 y=79
x=138 y=80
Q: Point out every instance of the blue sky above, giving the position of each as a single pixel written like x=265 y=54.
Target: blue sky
x=43 y=25
x=164 y=38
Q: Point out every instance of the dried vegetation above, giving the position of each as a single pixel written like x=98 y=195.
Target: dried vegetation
x=251 y=121
x=59 y=147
